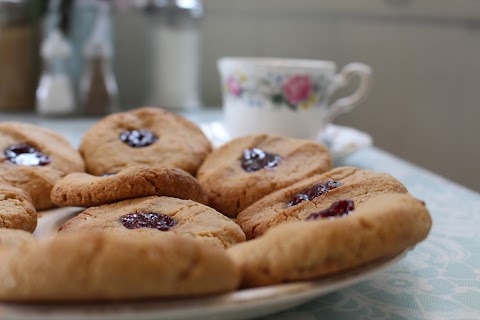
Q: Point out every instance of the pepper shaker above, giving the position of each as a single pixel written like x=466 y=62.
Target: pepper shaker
x=98 y=86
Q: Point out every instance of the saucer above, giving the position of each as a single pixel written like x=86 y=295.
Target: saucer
x=340 y=140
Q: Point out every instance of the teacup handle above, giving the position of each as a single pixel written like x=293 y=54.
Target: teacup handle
x=341 y=79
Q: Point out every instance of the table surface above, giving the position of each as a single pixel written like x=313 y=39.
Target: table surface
x=439 y=279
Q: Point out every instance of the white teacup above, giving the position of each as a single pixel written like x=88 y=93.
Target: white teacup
x=288 y=97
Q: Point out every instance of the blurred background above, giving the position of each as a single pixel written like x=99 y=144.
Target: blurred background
x=108 y=56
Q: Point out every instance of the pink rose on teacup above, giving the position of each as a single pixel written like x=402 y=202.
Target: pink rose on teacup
x=234 y=86
x=297 y=89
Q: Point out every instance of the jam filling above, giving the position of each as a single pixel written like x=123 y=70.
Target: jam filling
x=26 y=155
x=315 y=191
x=138 y=138
x=256 y=159
x=152 y=220
x=340 y=208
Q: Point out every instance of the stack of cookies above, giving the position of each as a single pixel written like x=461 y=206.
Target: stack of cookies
x=166 y=216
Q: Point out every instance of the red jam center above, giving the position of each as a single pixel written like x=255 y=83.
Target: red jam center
x=141 y=219
x=315 y=191
x=256 y=159
x=26 y=155
x=340 y=208
x=138 y=138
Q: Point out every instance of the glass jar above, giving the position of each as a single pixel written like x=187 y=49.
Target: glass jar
x=19 y=55
x=175 y=52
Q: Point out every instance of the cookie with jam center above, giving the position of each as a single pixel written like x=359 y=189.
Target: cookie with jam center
x=298 y=201
x=85 y=190
x=101 y=266
x=333 y=240
x=162 y=214
x=34 y=158
x=148 y=136
x=16 y=209
x=248 y=168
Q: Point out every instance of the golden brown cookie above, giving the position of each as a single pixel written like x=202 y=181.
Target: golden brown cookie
x=91 y=266
x=150 y=136
x=16 y=209
x=15 y=238
x=184 y=217
x=34 y=159
x=299 y=200
x=85 y=190
x=248 y=168
x=382 y=226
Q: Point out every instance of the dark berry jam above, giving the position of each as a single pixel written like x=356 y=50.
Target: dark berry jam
x=26 y=155
x=140 y=219
x=315 y=191
x=256 y=159
x=138 y=138
x=339 y=208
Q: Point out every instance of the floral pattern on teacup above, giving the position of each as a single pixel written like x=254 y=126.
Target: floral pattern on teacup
x=233 y=86
x=297 y=89
x=295 y=92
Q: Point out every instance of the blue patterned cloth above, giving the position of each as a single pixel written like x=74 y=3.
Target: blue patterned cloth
x=439 y=279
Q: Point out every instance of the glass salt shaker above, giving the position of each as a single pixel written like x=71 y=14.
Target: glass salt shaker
x=55 y=94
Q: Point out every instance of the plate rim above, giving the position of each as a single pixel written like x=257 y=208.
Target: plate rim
x=239 y=304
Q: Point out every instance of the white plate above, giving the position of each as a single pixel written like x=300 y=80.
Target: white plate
x=341 y=140
x=242 y=304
